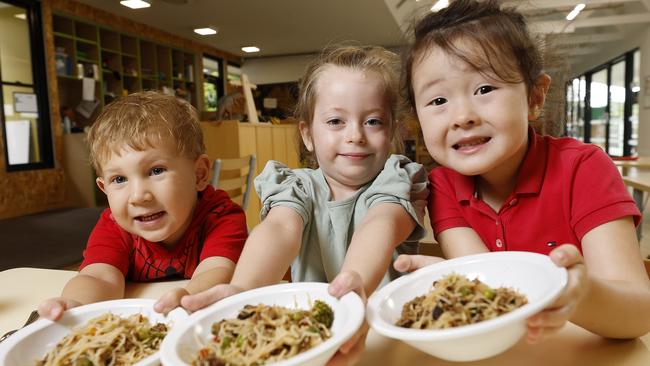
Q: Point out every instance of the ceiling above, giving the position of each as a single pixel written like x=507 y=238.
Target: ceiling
x=292 y=27
x=277 y=27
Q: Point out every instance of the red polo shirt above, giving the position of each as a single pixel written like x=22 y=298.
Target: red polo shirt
x=564 y=189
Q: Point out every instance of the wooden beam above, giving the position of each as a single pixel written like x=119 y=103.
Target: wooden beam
x=567 y=39
x=562 y=26
x=554 y=4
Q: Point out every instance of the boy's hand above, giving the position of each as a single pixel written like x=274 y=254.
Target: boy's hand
x=170 y=301
x=202 y=299
x=350 y=352
x=551 y=319
x=53 y=308
x=409 y=263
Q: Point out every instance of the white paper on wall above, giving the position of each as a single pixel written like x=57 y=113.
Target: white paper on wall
x=18 y=141
x=88 y=89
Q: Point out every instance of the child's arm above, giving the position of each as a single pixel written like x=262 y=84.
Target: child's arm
x=383 y=228
x=603 y=296
x=269 y=251
x=95 y=282
x=210 y=272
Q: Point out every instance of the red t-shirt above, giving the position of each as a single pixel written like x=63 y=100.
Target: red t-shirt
x=564 y=189
x=218 y=228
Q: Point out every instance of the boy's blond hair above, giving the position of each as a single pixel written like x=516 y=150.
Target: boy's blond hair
x=141 y=121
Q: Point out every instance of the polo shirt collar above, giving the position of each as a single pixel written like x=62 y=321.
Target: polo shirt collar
x=531 y=172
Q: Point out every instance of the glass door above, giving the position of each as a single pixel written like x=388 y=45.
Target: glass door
x=598 y=102
x=616 y=110
x=635 y=88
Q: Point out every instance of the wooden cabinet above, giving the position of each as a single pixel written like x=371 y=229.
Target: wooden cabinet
x=233 y=139
x=120 y=63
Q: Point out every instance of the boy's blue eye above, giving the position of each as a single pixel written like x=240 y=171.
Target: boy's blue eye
x=374 y=122
x=157 y=171
x=439 y=101
x=334 y=121
x=484 y=89
x=118 y=179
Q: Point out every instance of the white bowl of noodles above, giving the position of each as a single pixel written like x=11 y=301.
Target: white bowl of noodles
x=30 y=344
x=183 y=344
x=533 y=275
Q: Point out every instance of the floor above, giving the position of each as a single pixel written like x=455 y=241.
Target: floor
x=54 y=239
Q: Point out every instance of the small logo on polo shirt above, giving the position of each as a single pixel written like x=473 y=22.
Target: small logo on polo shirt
x=551 y=244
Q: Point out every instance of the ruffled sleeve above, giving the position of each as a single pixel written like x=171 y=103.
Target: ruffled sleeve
x=278 y=185
x=404 y=182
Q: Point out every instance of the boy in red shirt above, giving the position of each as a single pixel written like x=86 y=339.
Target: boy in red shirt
x=165 y=221
x=475 y=79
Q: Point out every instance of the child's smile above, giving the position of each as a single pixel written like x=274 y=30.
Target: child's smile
x=470 y=144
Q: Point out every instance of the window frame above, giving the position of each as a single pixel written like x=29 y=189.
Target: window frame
x=40 y=86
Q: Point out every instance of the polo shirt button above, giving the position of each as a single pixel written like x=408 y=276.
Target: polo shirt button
x=499 y=243
x=513 y=202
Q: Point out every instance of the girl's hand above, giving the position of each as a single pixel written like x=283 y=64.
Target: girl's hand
x=53 y=308
x=170 y=301
x=350 y=352
x=551 y=319
x=410 y=263
x=202 y=299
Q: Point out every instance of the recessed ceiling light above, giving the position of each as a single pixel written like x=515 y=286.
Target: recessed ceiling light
x=441 y=4
x=250 y=49
x=135 y=4
x=22 y=16
x=574 y=13
x=205 y=31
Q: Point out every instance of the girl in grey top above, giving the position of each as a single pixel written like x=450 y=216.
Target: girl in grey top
x=347 y=218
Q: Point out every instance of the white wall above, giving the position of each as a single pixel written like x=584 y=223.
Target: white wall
x=272 y=70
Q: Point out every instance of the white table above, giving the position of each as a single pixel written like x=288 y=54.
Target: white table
x=24 y=288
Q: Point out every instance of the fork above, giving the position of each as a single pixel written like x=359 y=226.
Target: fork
x=33 y=316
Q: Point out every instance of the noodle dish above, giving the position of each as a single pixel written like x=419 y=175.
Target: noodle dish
x=286 y=324
x=116 y=332
x=467 y=308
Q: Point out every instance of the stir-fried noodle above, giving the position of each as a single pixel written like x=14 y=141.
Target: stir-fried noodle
x=455 y=300
x=264 y=334
x=108 y=340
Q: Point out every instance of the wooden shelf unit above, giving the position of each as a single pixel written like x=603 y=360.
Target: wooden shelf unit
x=121 y=63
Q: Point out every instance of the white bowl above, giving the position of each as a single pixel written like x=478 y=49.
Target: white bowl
x=533 y=275
x=183 y=343
x=31 y=343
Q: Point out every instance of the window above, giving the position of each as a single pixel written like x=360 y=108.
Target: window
x=212 y=83
x=25 y=115
x=602 y=105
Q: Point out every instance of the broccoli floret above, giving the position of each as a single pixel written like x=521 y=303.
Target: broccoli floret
x=322 y=313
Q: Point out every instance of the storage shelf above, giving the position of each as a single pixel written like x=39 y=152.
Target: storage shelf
x=125 y=63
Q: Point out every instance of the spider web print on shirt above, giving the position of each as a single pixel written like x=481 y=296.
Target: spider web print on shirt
x=147 y=266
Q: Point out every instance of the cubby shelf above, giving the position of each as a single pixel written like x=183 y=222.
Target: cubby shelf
x=121 y=63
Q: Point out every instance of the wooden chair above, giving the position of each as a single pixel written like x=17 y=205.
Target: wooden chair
x=235 y=176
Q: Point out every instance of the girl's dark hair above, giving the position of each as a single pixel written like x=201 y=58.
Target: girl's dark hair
x=486 y=37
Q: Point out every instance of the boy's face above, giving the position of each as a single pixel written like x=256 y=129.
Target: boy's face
x=152 y=193
x=471 y=123
x=350 y=131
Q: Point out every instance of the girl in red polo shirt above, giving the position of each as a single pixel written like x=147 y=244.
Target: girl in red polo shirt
x=475 y=78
